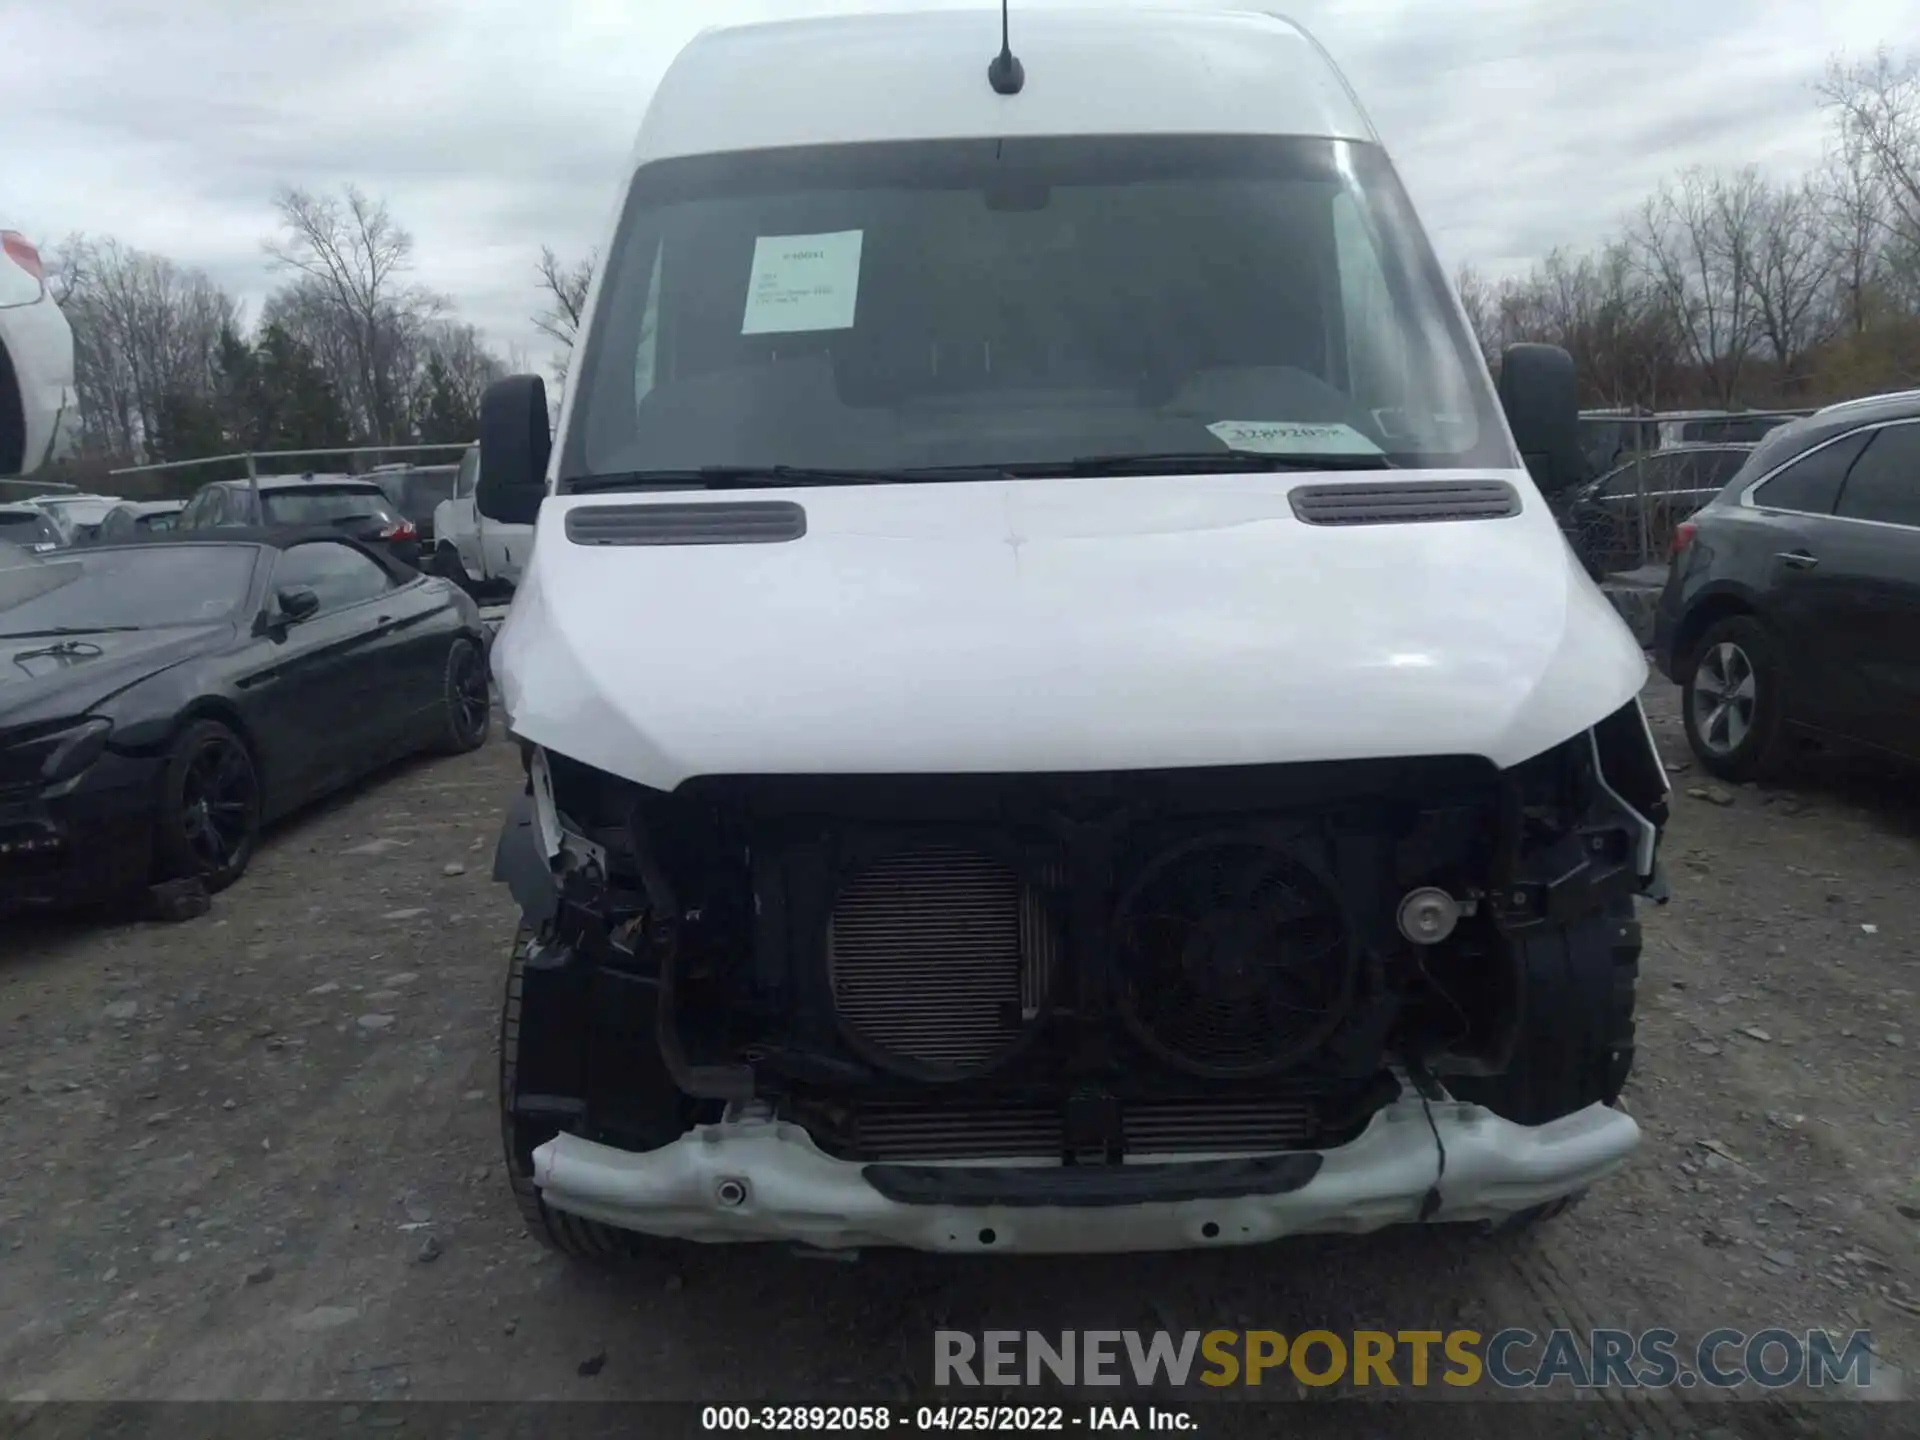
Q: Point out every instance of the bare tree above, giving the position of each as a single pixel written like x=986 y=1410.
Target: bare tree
x=353 y=256
x=1877 y=104
x=1874 y=105
x=565 y=286
x=1793 y=262
x=1853 y=200
x=1480 y=299
x=67 y=267
x=458 y=358
x=1694 y=240
x=145 y=334
x=1602 y=311
x=1648 y=354
x=308 y=313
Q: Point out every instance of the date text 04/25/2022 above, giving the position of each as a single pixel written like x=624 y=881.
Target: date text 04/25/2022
x=933 y=1419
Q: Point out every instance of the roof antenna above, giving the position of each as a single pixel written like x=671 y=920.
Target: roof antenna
x=1006 y=74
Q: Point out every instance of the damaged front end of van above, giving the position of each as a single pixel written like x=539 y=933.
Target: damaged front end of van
x=1009 y=770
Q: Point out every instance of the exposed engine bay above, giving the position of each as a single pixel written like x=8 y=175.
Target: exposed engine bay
x=1073 y=968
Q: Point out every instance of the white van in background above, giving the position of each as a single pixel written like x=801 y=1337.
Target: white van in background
x=482 y=556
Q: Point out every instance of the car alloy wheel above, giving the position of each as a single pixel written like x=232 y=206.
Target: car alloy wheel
x=469 y=698
x=470 y=690
x=1727 y=699
x=217 y=803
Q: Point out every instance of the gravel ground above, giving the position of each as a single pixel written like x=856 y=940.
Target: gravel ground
x=255 y=1156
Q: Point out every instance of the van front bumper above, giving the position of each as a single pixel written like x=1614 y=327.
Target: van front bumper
x=765 y=1180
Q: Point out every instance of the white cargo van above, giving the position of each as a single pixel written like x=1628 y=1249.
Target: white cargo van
x=480 y=555
x=1056 y=716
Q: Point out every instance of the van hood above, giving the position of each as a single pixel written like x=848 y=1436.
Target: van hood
x=1058 y=625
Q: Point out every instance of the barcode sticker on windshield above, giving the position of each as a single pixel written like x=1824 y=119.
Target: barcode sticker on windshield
x=1289 y=437
x=803 y=282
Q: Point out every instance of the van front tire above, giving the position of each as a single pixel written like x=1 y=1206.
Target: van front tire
x=586 y=1241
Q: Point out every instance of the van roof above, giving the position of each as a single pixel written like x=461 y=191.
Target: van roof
x=923 y=76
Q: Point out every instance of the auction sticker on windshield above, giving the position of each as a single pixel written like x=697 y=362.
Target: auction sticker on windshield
x=803 y=282
x=1288 y=437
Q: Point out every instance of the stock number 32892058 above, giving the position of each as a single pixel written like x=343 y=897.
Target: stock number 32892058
x=857 y=1419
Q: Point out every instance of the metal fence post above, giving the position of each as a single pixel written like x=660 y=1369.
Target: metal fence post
x=1640 y=483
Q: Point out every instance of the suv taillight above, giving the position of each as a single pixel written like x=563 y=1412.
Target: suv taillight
x=400 y=530
x=21 y=251
x=1682 y=537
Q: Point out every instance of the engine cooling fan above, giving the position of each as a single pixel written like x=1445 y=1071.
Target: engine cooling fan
x=1235 y=958
x=940 y=958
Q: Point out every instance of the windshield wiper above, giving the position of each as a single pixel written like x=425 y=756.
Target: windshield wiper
x=69 y=630
x=1209 y=460
x=748 y=477
x=724 y=477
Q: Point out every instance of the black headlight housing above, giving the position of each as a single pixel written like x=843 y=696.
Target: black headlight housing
x=47 y=754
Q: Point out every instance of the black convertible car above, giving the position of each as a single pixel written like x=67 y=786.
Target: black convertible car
x=161 y=700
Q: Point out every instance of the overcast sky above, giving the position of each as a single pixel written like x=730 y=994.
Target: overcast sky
x=492 y=126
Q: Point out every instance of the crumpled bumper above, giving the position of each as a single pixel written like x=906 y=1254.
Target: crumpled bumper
x=764 y=1180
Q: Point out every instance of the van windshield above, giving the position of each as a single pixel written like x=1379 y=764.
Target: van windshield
x=921 y=305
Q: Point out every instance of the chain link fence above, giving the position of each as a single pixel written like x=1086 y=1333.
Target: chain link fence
x=1625 y=520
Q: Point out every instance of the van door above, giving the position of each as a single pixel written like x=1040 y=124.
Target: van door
x=466 y=516
x=505 y=547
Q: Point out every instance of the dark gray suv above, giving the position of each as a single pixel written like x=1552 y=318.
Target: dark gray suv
x=1793 y=599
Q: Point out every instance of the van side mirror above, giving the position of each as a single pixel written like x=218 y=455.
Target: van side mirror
x=515 y=442
x=1541 y=395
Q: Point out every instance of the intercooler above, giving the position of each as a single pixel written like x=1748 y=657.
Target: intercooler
x=911 y=1131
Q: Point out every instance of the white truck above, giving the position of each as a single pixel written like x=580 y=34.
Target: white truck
x=482 y=556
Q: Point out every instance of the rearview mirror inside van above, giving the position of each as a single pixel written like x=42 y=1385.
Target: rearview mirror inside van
x=515 y=441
